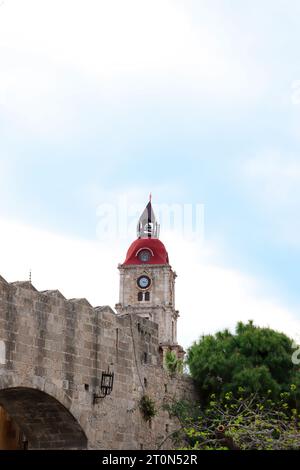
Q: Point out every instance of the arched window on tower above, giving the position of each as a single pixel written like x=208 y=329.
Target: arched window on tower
x=147 y=296
x=140 y=296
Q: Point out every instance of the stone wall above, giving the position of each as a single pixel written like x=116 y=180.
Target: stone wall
x=61 y=347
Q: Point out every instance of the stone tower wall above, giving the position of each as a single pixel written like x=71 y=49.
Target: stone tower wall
x=161 y=307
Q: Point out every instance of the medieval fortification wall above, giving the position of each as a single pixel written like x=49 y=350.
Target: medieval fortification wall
x=52 y=355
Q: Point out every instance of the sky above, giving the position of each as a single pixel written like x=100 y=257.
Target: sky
x=195 y=101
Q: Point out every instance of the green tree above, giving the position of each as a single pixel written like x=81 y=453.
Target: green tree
x=257 y=359
x=238 y=422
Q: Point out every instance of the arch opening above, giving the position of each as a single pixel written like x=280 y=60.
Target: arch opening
x=31 y=419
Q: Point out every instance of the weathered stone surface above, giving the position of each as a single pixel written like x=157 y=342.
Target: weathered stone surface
x=55 y=352
x=161 y=306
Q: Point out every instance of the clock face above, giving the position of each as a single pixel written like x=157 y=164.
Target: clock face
x=144 y=282
x=144 y=256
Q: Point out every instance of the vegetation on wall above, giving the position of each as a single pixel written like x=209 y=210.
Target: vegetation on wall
x=147 y=408
x=172 y=363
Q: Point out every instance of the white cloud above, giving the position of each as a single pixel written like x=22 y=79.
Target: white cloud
x=210 y=297
x=77 y=268
x=112 y=37
x=276 y=175
x=134 y=47
x=271 y=180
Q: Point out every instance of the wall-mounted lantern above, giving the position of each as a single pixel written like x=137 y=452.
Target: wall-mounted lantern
x=107 y=385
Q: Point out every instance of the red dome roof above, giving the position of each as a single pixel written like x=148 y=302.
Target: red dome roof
x=158 y=251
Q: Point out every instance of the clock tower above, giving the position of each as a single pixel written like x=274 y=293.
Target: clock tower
x=147 y=282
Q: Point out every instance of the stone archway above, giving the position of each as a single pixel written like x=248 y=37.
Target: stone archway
x=40 y=420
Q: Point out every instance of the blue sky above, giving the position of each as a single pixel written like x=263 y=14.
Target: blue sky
x=196 y=101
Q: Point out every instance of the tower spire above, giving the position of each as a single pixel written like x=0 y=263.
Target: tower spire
x=147 y=225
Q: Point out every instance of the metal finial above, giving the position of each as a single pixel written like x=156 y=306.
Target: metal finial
x=30 y=276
